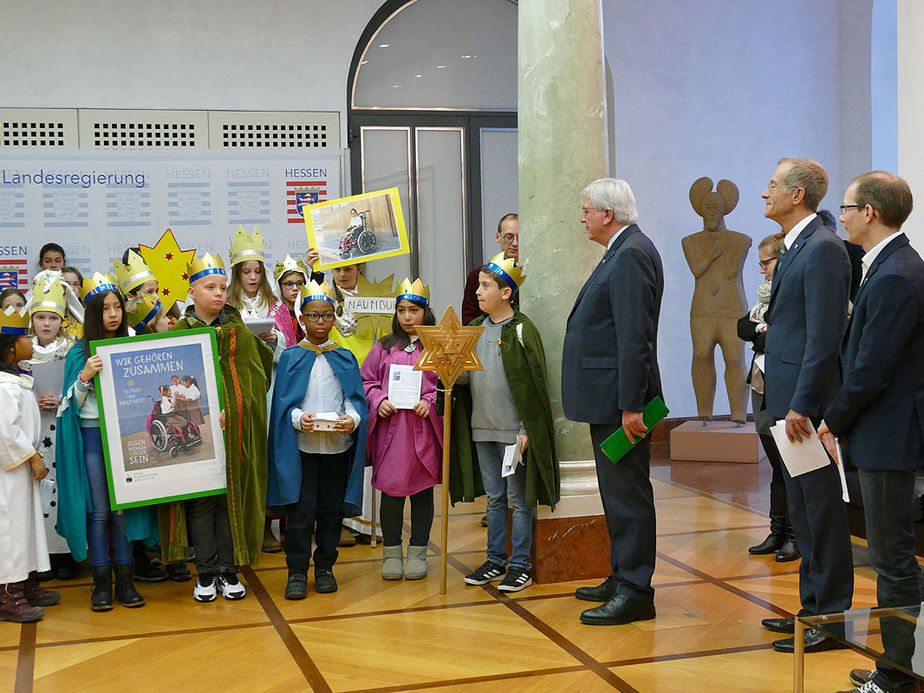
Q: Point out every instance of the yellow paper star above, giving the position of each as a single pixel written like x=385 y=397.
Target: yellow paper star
x=448 y=348
x=168 y=264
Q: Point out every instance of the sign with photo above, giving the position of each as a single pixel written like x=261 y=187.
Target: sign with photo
x=159 y=400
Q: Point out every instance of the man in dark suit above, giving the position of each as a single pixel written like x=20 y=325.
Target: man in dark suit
x=609 y=373
x=878 y=413
x=806 y=320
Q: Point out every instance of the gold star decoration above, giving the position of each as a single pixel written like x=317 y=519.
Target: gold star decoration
x=448 y=348
x=168 y=264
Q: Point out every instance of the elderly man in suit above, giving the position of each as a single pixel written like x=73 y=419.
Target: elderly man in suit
x=806 y=320
x=609 y=373
x=878 y=413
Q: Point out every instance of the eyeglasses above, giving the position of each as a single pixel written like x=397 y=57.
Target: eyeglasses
x=292 y=285
x=319 y=317
x=764 y=264
x=844 y=208
x=508 y=237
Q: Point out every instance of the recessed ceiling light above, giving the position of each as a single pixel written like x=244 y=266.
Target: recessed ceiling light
x=440 y=67
x=418 y=76
x=384 y=45
x=395 y=86
x=466 y=57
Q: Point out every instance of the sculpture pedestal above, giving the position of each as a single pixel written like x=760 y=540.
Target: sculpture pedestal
x=717 y=441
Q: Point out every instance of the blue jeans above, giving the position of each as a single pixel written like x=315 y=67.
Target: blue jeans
x=101 y=515
x=500 y=491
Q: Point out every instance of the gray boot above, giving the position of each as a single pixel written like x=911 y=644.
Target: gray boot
x=392 y=562
x=416 y=563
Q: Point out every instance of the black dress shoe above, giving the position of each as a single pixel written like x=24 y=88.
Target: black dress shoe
x=789 y=551
x=771 y=544
x=619 y=610
x=815 y=641
x=601 y=593
x=779 y=625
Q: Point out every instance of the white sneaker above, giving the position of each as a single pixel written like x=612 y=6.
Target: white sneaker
x=205 y=589
x=231 y=587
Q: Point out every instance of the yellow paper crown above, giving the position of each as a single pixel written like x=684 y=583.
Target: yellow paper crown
x=413 y=292
x=97 y=284
x=142 y=310
x=506 y=268
x=244 y=247
x=14 y=321
x=50 y=295
x=204 y=266
x=129 y=277
x=312 y=291
x=291 y=265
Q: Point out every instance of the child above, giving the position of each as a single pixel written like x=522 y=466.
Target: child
x=73 y=315
x=510 y=405
x=73 y=278
x=12 y=297
x=187 y=398
x=291 y=276
x=133 y=275
x=316 y=474
x=227 y=530
x=81 y=471
x=405 y=445
x=146 y=314
x=51 y=256
x=21 y=467
x=249 y=290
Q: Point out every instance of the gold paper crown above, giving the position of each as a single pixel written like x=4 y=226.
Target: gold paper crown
x=14 y=321
x=50 y=295
x=413 y=292
x=142 y=310
x=129 y=277
x=97 y=284
x=244 y=247
x=291 y=265
x=204 y=266
x=312 y=291
x=506 y=268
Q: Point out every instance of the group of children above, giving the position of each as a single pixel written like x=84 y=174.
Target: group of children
x=306 y=412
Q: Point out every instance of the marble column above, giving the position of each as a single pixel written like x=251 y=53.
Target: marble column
x=910 y=112
x=562 y=147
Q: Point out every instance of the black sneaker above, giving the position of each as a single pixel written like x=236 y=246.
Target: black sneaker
x=324 y=580
x=178 y=572
x=489 y=571
x=297 y=586
x=515 y=580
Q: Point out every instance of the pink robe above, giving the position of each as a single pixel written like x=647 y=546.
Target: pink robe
x=405 y=450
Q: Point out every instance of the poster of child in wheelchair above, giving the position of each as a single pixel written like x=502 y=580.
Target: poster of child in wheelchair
x=362 y=227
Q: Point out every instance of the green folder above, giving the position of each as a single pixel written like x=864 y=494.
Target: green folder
x=617 y=445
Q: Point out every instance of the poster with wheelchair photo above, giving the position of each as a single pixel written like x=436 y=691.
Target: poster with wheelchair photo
x=356 y=229
x=159 y=400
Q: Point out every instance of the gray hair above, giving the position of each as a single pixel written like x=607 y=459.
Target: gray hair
x=613 y=194
x=809 y=175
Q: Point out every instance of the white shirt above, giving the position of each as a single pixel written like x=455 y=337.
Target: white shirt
x=615 y=236
x=166 y=404
x=324 y=394
x=796 y=230
x=873 y=253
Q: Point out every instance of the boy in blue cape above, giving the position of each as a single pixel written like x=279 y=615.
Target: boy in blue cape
x=317 y=443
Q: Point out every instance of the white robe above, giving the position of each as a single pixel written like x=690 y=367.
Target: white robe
x=23 y=546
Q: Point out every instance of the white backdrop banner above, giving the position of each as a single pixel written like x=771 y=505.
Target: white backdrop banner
x=97 y=204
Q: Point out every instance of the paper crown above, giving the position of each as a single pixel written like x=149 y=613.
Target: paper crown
x=507 y=270
x=141 y=310
x=97 y=284
x=413 y=292
x=49 y=294
x=291 y=265
x=129 y=277
x=14 y=321
x=246 y=247
x=204 y=266
x=313 y=291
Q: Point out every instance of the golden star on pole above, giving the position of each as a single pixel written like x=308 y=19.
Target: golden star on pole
x=448 y=348
x=168 y=264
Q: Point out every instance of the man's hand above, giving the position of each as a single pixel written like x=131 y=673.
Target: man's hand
x=344 y=425
x=386 y=409
x=828 y=440
x=633 y=425
x=798 y=426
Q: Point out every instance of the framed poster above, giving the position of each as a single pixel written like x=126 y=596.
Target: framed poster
x=159 y=400
x=357 y=229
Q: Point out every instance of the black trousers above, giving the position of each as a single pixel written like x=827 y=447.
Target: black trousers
x=210 y=534
x=318 y=512
x=392 y=517
x=628 y=504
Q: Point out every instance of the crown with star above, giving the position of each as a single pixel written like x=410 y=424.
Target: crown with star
x=49 y=294
x=141 y=310
x=415 y=291
x=291 y=265
x=14 y=320
x=246 y=247
x=312 y=291
x=204 y=266
x=97 y=284
x=132 y=275
x=506 y=269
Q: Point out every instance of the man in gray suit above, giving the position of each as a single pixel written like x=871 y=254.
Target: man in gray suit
x=609 y=373
x=806 y=320
x=878 y=413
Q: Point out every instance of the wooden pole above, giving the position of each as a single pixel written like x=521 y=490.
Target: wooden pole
x=444 y=531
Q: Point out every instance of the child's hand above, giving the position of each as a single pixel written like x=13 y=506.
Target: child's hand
x=94 y=366
x=221 y=419
x=307 y=422
x=345 y=424
x=269 y=337
x=48 y=402
x=386 y=409
x=524 y=443
x=422 y=409
x=311 y=257
x=39 y=470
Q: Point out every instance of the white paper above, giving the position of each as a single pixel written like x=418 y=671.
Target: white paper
x=325 y=420
x=840 y=471
x=48 y=378
x=260 y=325
x=801 y=457
x=512 y=457
x=404 y=386
x=46 y=489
